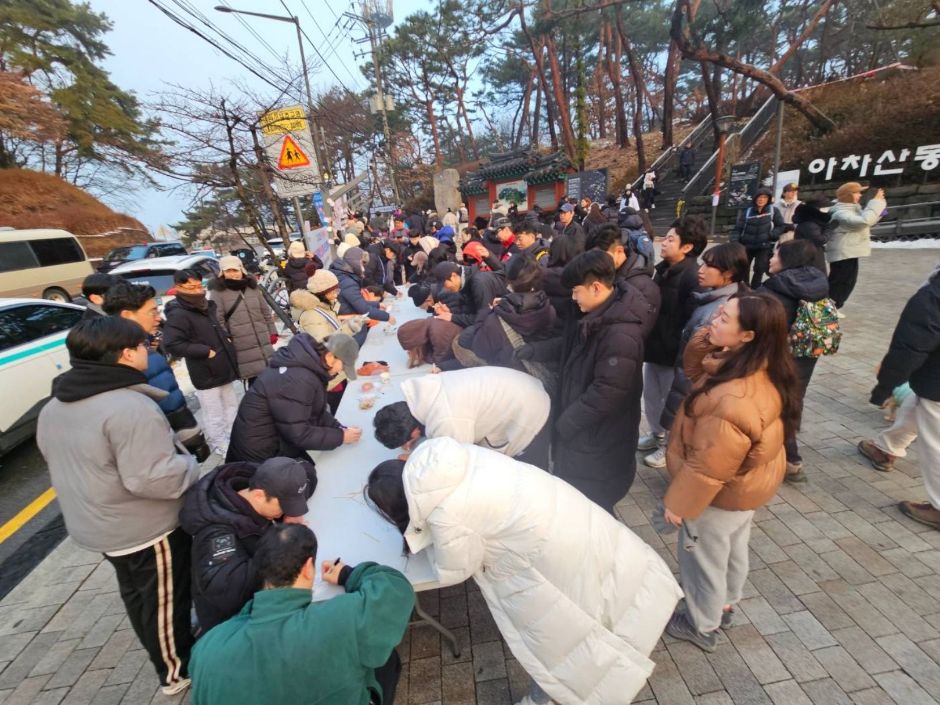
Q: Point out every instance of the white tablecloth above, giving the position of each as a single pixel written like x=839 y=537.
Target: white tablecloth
x=346 y=527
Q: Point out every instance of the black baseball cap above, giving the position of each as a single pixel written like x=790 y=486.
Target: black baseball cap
x=288 y=479
x=445 y=270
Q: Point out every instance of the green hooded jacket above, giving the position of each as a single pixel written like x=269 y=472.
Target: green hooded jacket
x=283 y=648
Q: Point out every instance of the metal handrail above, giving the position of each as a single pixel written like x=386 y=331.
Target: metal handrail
x=913 y=205
x=747 y=135
x=694 y=136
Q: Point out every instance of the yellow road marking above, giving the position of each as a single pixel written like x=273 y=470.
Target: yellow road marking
x=25 y=514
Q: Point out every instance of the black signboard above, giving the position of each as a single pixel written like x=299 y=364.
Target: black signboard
x=745 y=178
x=589 y=184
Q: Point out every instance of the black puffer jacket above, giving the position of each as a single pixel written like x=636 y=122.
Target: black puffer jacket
x=914 y=355
x=285 y=412
x=475 y=296
x=797 y=284
x=225 y=531
x=810 y=224
x=530 y=314
x=567 y=245
x=635 y=273
x=191 y=333
x=296 y=271
x=597 y=407
x=676 y=284
x=759 y=229
x=379 y=270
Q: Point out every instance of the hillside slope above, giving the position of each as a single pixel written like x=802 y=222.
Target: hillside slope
x=31 y=199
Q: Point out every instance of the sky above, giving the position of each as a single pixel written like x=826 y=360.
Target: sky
x=150 y=52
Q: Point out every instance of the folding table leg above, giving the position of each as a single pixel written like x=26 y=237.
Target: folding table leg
x=425 y=618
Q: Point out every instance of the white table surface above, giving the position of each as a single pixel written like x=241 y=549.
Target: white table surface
x=345 y=526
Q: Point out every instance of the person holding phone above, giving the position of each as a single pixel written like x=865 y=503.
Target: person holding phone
x=851 y=237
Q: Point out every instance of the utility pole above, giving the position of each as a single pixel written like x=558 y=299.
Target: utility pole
x=376 y=16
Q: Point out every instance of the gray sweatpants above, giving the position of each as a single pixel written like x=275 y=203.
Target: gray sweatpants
x=713 y=563
x=657 y=381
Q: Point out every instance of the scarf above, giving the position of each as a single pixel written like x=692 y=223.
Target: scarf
x=197 y=301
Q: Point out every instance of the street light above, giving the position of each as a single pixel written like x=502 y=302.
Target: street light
x=314 y=127
x=303 y=65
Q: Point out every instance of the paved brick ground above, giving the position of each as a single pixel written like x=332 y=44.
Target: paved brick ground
x=842 y=605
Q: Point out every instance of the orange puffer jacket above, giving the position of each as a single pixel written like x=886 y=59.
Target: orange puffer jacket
x=729 y=454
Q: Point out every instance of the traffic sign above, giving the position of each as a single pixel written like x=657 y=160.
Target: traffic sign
x=289 y=149
x=292 y=156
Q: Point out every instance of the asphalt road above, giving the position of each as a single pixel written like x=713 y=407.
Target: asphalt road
x=23 y=478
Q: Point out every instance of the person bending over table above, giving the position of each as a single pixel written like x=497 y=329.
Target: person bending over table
x=494 y=407
x=285 y=413
x=579 y=598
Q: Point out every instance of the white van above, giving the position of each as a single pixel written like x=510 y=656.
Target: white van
x=32 y=354
x=42 y=263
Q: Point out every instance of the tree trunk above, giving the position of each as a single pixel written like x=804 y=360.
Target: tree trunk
x=543 y=81
x=267 y=175
x=639 y=90
x=536 y=114
x=524 y=120
x=673 y=60
x=613 y=69
x=561 y=103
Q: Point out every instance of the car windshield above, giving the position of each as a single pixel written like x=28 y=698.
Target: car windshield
x=121 y=254
x=160 y=279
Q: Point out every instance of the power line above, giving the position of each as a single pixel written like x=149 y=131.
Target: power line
x=182 y=23
x=254 y=32
x=316 y=48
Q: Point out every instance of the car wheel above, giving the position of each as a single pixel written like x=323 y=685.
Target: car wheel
x=54 y=293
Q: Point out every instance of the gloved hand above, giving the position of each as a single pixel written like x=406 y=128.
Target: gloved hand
x=274 y=338
x=354 y=325
x=524 y=352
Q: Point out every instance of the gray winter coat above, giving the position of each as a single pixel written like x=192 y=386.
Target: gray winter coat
x=251 y=325
x=118 y=474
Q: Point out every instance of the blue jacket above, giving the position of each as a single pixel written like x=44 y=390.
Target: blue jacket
x=160 y=375
x=350 y=294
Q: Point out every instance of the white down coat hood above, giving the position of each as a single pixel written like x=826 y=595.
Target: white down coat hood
x=494 y=407
x=580 y=599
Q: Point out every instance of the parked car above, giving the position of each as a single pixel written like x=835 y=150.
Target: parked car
x=148 y=250
x=159 y=272
x=32 y=353
x=42 y=263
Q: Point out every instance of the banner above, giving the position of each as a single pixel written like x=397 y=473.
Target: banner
x=743 y=184
x=318 y=242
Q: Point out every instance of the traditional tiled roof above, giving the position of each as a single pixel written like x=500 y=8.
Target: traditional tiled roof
x=532 y=166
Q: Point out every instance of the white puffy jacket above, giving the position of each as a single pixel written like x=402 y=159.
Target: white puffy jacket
x=494 y=407
x=580 y=599
x=851 y=237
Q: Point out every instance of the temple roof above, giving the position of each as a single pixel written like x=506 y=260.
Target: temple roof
x=533 y=167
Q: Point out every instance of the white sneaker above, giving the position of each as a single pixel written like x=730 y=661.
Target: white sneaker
x=840 y=314
x=527 y=700
x=656 y=459
x=650 y=441
x=177 y=687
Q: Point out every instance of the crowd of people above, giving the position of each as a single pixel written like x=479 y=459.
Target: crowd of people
x=550 y=341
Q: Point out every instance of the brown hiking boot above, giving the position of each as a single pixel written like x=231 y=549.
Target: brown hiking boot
x=879 y=459
x=924 y=512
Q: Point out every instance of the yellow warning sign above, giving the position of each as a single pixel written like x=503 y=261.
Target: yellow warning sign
x=292 y=156
x=279 y=122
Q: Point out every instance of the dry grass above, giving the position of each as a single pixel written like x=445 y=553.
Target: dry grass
x=621 y=164
x=902 y=110
x=31 y=199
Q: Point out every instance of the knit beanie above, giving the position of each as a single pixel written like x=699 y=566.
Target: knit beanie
x=322 y=281
x=296 y=249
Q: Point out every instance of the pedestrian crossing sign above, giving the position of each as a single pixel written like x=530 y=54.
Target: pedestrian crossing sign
x=292 y=156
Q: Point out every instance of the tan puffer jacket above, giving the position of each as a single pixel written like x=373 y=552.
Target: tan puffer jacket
x=320 y=320
x=730 y=453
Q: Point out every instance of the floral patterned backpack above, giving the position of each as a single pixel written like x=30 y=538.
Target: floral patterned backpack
x=815 y=331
